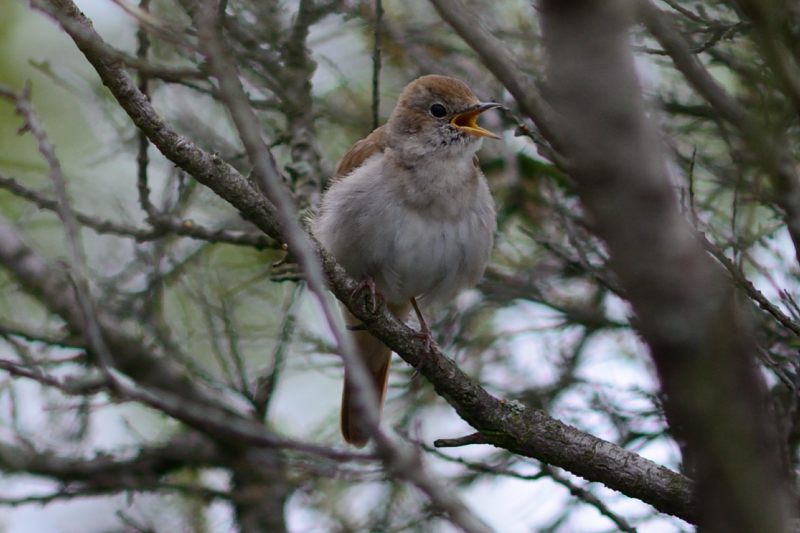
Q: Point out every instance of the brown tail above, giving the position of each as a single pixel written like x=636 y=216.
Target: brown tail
x=376 y=357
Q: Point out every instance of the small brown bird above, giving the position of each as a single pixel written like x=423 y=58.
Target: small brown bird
x=410 y=213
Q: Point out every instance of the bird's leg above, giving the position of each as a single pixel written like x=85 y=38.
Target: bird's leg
x=367 y=283
x=424 y=332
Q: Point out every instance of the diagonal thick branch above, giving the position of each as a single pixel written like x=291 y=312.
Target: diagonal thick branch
x=399 y=459
x=524 y=431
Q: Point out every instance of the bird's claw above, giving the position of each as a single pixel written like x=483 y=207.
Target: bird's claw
x=425 y=335
x=367 y=283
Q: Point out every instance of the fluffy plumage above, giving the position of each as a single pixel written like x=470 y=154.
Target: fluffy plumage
x=410 y=209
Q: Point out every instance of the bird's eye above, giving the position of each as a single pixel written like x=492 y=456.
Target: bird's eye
x=438 y=110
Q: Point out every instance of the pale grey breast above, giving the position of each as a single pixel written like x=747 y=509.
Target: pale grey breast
x=400 y=227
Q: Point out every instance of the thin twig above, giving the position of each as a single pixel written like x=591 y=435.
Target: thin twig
x=111 y=54
x=376 y=64
x=585 y=495
x=272 y=186
x=72 y=386
x=51 y=339
x=405 y=462
x=79 y=268
x=528 y=432
x=142 y=159
x=163 y=224
x=265 y=385
x=739 y=277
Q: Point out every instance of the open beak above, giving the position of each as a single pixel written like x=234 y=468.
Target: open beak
x=467 y=121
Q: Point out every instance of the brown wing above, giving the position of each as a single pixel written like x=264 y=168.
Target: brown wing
x=360 y=152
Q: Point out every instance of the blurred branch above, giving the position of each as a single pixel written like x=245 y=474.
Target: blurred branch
x=266 y=384
x=399 y=461
x=78 y=270
x=525 y=431
x=376 y=64
x=70 y=385
x=44 y=337
x=162 y=224
x=773 y=154
x=739 y=277
x=777 y=45
x=497 y=59
x=117 y=57
x=586 y=496
x=717 y=33
x=703 y=348
x=142 y=159
x=150 y=462
x=104 y=474
x=51 y=286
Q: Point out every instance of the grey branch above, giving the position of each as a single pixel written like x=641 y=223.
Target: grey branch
x=528 y=432
x=401 y=460
x=701 y=344
x=773 y=154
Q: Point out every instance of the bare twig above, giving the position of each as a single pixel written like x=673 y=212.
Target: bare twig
x=403 y=462
x=265 y=385
x=376 y=64
x=48 y=338
x=525 y=431
x=742 y=281
x=79 y=268
x=474 y=438
x=111 y=54
x=72 y=386
x=585 y=495
x=773 y=154
x=142 y=159
x=497 y=59
x=163 y=223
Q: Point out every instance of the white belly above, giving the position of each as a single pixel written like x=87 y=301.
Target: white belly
x=428 y=251
x=432 y=259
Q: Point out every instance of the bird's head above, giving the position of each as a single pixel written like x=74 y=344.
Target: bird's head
x=437 y=115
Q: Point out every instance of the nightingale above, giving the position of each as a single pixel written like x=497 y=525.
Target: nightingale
x=409 y=213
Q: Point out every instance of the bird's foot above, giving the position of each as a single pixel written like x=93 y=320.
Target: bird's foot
x=424 y=333
x=375 y=296
x=426 y=336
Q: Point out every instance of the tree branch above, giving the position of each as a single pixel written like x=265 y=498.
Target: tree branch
x=162 y=223
x=774 y=156
x=702 y=346
x=524 y=431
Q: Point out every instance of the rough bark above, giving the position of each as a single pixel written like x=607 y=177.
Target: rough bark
x=702 y=347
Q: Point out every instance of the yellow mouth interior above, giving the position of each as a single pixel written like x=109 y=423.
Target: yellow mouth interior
x=468 y=122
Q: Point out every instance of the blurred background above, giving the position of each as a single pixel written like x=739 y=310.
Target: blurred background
x=547 y=327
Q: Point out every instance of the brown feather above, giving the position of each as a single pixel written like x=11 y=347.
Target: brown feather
x=372 y=144
x=376 y=357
